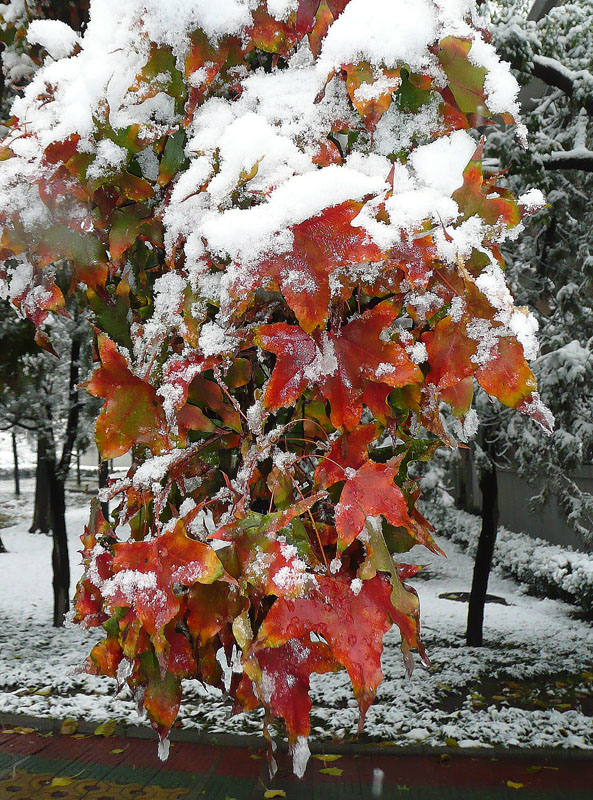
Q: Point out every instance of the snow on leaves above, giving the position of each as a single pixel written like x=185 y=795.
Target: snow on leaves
x=285 y=283
x=340 y=363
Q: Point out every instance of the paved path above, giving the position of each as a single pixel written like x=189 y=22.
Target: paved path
x=40 y=765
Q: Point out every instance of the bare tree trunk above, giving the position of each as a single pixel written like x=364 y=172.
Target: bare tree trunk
x=78 y=467
x=59 y=557
x=483 y=563
x=15 y=458
x=2 y=548
x=464 y=481
x=58 y=474
x=41 y=514
x=103 y=477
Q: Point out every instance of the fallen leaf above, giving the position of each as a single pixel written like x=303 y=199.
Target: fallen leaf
x=23 y=731
x=105 y=728
x=331 y=771
x=450 y=742
x=60 y=782
x=44 y=692
x=69 y=725
x=269 y=794
x=326 y=757
x=514 y=785
x=117 y=750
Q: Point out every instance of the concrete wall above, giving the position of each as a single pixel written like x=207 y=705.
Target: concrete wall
x=514 y=495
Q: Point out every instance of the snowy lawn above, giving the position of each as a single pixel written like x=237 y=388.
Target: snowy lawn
x=531 y=685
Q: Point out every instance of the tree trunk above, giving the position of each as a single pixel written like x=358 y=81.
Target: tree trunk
x=103 y=476
x=15 y=458
x=477 y=599
x=78 y=467
x=41 y=514
x=59 y=557
x=2 y=548
x=57 y=481
x=464 y=481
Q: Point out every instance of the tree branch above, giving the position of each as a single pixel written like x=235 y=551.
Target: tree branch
x=554 y=73
x=579 y=158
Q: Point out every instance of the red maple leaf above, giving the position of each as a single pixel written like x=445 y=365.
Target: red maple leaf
x=353 y=625
x=340 y=362
x=370 y=492
x=146 y=577
x=321 y=245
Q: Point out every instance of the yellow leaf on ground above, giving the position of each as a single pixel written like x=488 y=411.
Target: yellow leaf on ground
x=451 y=742
x=331 y=771
x=269 y=794
x=116 y=751
x=105 y=728
x=22 y=730
x=69 y=726
x=326 y=757
x=513 y=785
x=59 y=781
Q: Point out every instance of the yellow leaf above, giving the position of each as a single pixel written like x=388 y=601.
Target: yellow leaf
x=513 y=785
x=105 y=728
x=61 y=782
x=326 y=757
x=22 y=730
x=45 y=692
x=269 y=794
x=331 y=771
x=450 y=742
x=69 y=726
x=117 y=750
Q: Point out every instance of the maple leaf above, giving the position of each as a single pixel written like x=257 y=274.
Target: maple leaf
x=339 y=362
x=146 y=577
x=132 y=413
x=474 y=196
x=282 y=676
x=347 y=453
x=353 y=625
x=321 y=245
x=210 y=607
x=507 y=375
x=370 y=89
x=370 y=492
x=466 y=80
x=450 y=352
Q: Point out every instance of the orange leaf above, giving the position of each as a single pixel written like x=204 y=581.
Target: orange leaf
x=132 y=413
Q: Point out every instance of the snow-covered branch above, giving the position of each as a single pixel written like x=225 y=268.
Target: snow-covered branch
x=578 y=158
x=554 y=73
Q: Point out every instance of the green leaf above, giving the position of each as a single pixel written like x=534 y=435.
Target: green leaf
x=111 y=314
x=466 y=80
x=173 y=157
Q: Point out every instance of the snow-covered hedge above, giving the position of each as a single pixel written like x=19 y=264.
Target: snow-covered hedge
x=546 y=569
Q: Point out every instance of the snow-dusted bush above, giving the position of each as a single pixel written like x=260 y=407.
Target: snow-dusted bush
x=546 y=569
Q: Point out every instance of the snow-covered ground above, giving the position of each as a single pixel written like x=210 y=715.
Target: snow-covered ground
x=530 y=685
